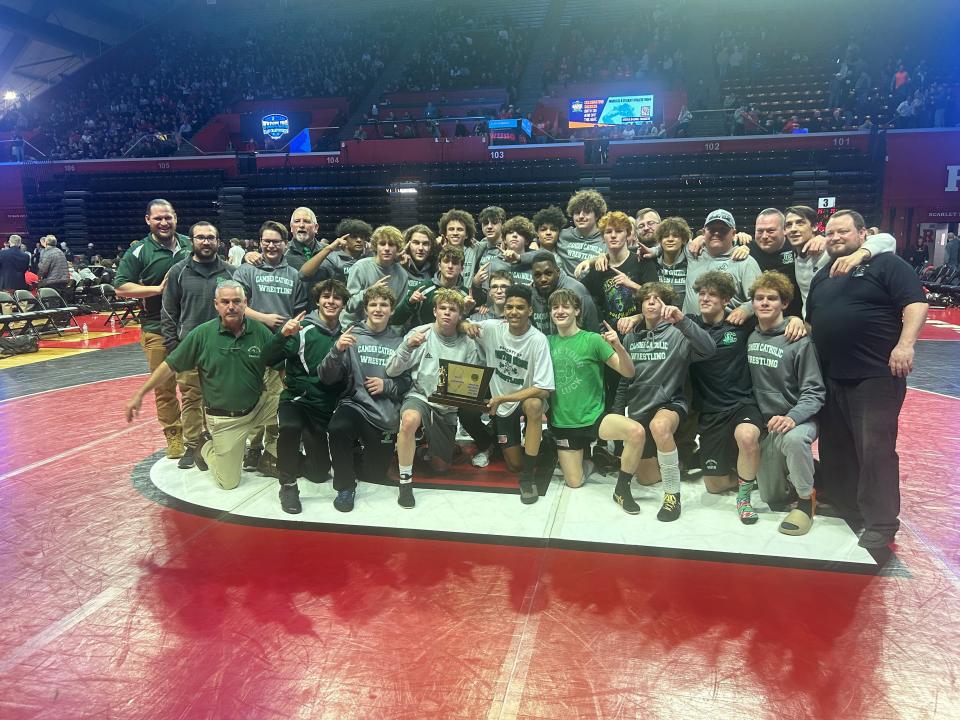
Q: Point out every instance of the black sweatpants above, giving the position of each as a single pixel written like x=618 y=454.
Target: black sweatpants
x=348 y=427
x=299 y=423
x=858 y=448
x=482 y=435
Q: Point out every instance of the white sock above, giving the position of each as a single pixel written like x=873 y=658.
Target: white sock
x=669 y=471
x=406 y=473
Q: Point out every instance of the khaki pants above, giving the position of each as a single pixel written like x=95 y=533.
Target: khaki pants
x=224 y=453
x=168 y=408
x=191 y=406
x=265 y=436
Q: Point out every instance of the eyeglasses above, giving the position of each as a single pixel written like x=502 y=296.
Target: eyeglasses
x=264 y=241
x=206 y=238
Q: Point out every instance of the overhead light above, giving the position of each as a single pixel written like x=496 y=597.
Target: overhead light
x=10 y=96
x=402 y=188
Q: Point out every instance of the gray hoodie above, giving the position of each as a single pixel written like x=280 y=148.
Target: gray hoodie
x=273 y=289
x=786 y=376
x=336 y=265
x=589 y=318
x=424 y=361
x=662 y=357
x=368 y=358
x=743 y=272
x=364 y=274
x=573 y=248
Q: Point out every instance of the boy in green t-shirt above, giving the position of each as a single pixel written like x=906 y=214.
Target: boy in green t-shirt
x=577 y=416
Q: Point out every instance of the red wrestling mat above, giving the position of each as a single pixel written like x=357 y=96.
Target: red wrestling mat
x=115 y=606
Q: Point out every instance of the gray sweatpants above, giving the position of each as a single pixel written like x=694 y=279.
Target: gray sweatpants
x=787 y=456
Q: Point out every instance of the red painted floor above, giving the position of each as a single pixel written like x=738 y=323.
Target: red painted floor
x=116 y=607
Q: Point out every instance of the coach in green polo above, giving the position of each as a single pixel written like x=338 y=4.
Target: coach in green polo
x=228 y=353
x=142 y=274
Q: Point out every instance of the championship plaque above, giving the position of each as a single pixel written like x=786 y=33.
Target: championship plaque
x=462 y=385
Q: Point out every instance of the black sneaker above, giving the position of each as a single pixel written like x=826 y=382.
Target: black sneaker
x=344 y=500
x=670 y=510
x=251 y=459
x=290 y=499
x=198 y=454
x=604 y=460
x=406 y=500
x=187 y=461
x=875 y=539
x=528 y=493
x=624 y=498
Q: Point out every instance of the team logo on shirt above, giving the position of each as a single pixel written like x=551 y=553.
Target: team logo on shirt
x=253 y=351
x=859 y=272
x=729 y=338
x=787 y=257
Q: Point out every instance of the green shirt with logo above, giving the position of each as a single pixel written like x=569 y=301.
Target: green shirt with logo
x=146 y=263
x=578 y=363
x=231 y=367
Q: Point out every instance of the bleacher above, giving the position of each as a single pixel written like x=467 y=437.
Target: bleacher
x=686 y=185
x=744 y=183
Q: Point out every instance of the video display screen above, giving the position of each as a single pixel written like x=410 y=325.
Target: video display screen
x=613 y=110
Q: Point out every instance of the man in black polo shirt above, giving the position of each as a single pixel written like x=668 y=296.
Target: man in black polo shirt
x=142 y=274
x=228 y=352
x=191 y=283
x=865 y=325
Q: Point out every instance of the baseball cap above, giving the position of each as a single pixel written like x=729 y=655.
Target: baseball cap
x=721 y=215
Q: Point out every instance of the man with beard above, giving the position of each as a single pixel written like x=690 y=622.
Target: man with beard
x=865 y=325
x=142 y=274
x=547 y=278
x=720 y=230
x=191 y=283
x=800 y=223
x=306 y=404
x=275 y=294
x=648 y=220
x=303 y=237
x=228 y=353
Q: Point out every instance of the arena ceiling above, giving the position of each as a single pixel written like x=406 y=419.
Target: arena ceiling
x=42 y=40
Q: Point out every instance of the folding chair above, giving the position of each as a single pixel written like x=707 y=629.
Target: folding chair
x=130 y=309
x=65 y=314
x=29 y=303
x=13 y=315
x=85 y=295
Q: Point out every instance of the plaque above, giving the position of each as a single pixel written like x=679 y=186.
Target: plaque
x=462 y=385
